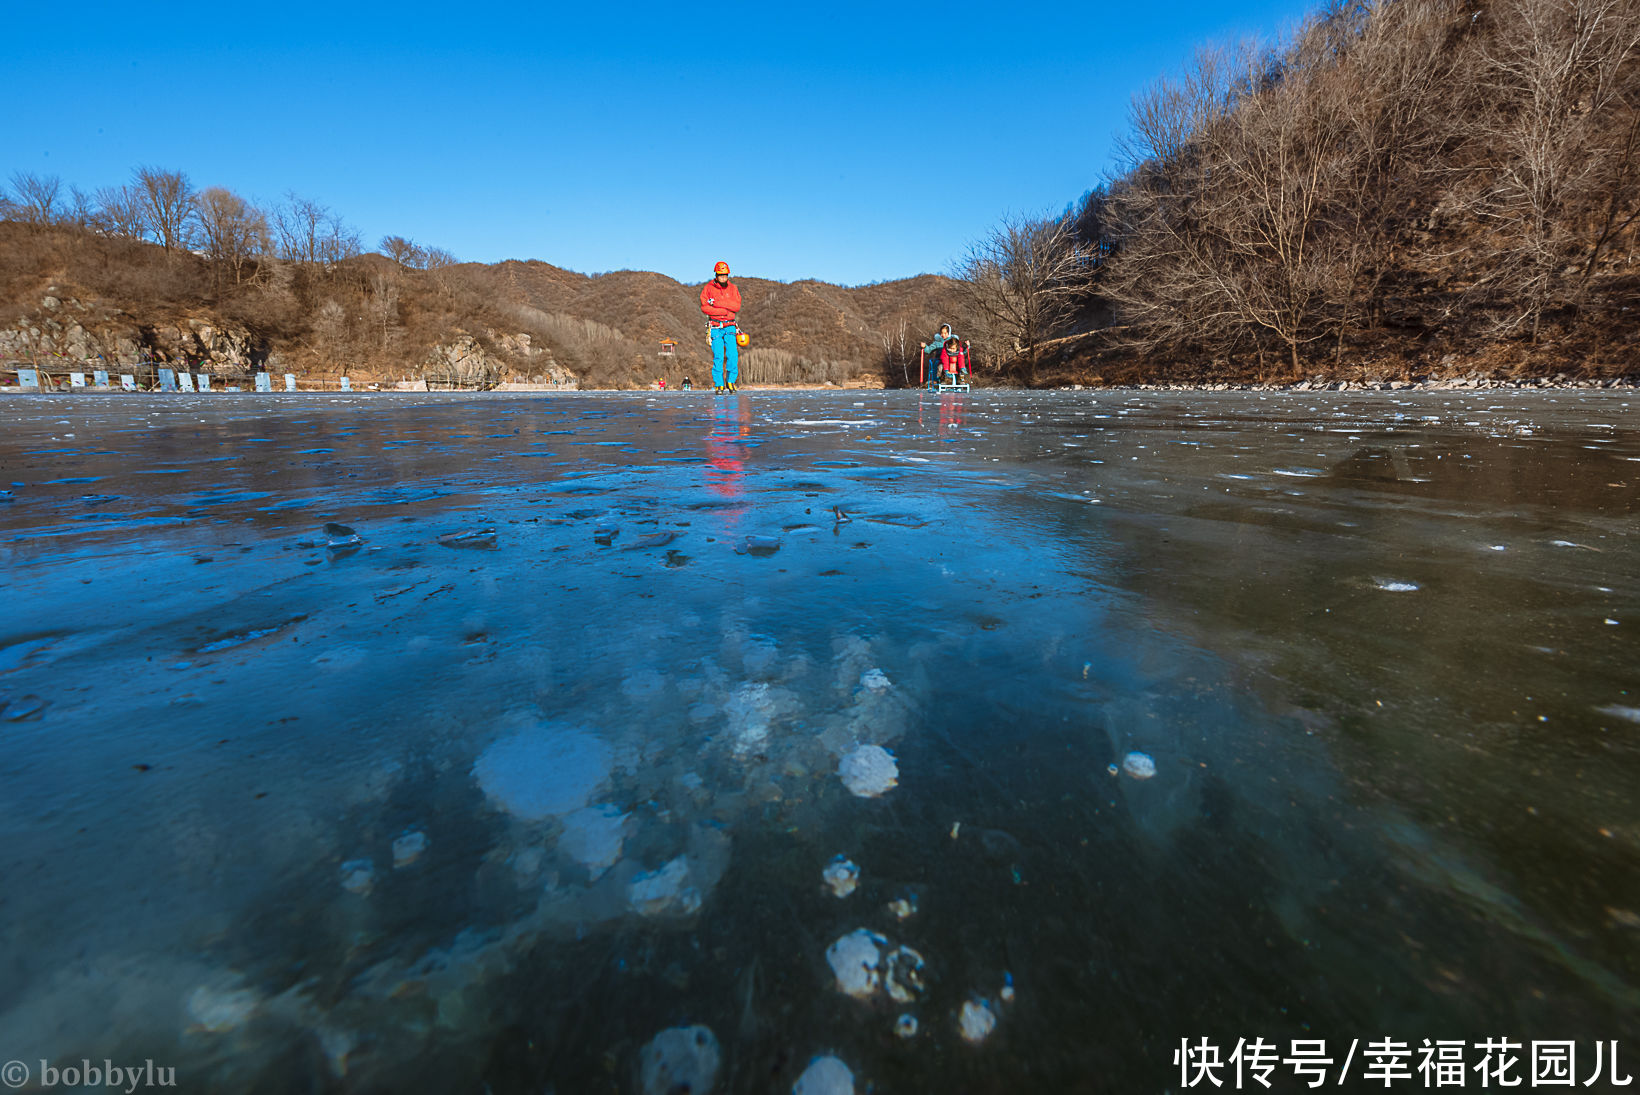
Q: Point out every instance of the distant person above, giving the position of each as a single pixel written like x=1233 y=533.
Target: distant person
x=720 y=300
x=663 y=384
x=933 y=349
x=687 y=385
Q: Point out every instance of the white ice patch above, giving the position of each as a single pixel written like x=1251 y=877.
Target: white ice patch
x=665 y=892
x=221 y=1009
x=546 y=771
x=749 y=711
x=868 y=771
x=1619 y=712
x=976 y=1022
x=408 y=848
x=874 y=680
x=825 y=1076
x=680 y=1059
x=358 y=876
x=854 y=959
x=831 y=422
x=841 y=876
x=865 y=962
x=1391 y=586
x=1139 y=765
x=593 y=837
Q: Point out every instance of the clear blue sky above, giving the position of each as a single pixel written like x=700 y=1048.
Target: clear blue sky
x=849 y=142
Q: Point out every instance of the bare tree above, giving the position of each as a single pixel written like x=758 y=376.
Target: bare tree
x=330 y=331
x=338 y=241
x=36 y=199
x=234 y=231
x=298 y=227
x=1392 y=81
x=309 y=233
x=122 y=211
x=1234 y=234
x=168 y=205
x=382 y=306
x=1021 y=279
x=399 y=249
x=897 y=345
x=1562 y=187
x=439 y=265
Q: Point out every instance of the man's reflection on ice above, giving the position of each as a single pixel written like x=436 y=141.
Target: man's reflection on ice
x=725 y=455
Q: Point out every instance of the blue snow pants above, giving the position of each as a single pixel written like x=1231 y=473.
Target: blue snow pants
x=725 y=356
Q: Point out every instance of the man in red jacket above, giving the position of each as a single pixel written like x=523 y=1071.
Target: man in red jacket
x=720 y=300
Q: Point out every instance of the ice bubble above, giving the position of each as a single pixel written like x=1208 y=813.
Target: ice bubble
x=874 y=680
x=906 y=1025
x=749 y=711
x=358 y=876
x=683 y=1059
x=976 y=1022
x=854 y=959
x=546 y=771
x=869 y=771
x=903 y=907
x=841 y=875
x=221 y=1009
x=902 y=974
x=666 y=891
x=1396 y=587
x=1007 y=993
x=864 y=962
x=408 y=848
x=825 y=1076
x=1139 y=765
x=593 y=837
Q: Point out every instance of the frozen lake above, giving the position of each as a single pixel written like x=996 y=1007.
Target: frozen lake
x=1133 y=717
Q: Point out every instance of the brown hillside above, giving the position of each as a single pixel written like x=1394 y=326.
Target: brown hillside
x=75 y=297
x=820 y=326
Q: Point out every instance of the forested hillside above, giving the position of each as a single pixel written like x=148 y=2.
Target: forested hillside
x=1406 y=186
